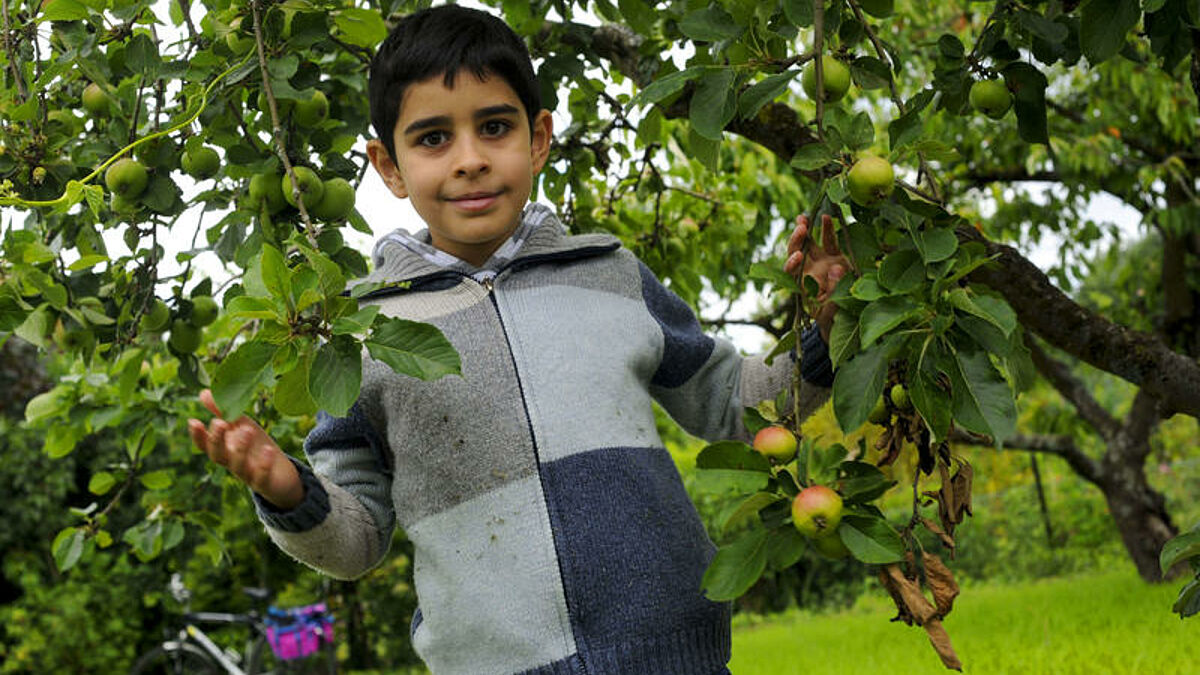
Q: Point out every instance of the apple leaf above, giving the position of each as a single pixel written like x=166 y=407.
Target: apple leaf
x=667 y=85
x=785 y=547
x=871 y=539
x=881 y=316
x=714 y=104
x=858 y=384
x=933 y=403
x=736 y=567
x=861 y=482
x=709 y=25
x=1103 y=25
x=68 y=547
x=760 y=93
x=1188 y=602
x=732 y=455
x=412 y=348
x=336 y=375
x=292 y=396
x=902 y=271
x=1184 y=546
x=982 y=400
x=740 y=512
x=239 y=376
x=843 y=338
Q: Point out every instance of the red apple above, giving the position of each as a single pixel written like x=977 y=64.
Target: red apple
x=816 y=511
x=776 y=443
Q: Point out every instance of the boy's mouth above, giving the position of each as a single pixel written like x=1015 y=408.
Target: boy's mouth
x=475 y=201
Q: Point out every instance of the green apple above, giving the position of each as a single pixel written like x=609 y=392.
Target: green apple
x=776 y=443
x=900 y=397
x=204 y=311
x=835 y=82
x=337 y=201
x=308 y=183
x=126 y=177
x=200 y=162
x=816 y=511
x=870 y=181
x=991 y=97
x=156 y=318
x=124 y=205
x=185 y=338
x=267 y=188
x=95 y=101
x=313 y=111
x=831 y=546
x=282 y=106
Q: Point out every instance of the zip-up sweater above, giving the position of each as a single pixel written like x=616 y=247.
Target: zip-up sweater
x=551 y=530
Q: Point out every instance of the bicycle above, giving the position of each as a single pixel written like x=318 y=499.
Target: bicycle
x=192 y=652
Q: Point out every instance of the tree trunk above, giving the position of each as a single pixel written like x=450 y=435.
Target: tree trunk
x=1139 y=511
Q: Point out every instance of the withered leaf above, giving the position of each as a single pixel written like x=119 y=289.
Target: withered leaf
x=961 y=484
x=910 y=592
x=890 y=587
x=940 y=581
x=949 y=497
x=947 y=540
x=940 y=640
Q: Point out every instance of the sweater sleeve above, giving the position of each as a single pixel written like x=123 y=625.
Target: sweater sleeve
x=345 y=523
x=705 y=384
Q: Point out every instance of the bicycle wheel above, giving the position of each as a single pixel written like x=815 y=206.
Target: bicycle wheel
x=177 y=659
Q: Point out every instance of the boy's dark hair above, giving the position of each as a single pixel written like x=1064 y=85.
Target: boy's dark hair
x=444 y=40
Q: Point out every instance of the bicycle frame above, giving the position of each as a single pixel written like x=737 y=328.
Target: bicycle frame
x=193 y=633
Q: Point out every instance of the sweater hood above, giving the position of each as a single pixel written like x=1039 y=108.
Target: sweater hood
x=396 y=263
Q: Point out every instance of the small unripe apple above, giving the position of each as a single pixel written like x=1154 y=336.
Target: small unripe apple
x=185 y=338
x=835 y=79
x=337 y=201
x=267 y=188
x=200 y=162
x=900 y=397
x=204 y=311
x=831 y=546
x=313 y=111
x=816 y=511
x=870 y=181
x=95 y=100
x=776 y=443
x=156 y=318
x=126 y=177
x=991 y=97
x=309 y=184
x=879 y=414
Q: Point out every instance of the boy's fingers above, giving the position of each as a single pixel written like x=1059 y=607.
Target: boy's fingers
x=209 y=402
x=799 y=235
x=198 y=433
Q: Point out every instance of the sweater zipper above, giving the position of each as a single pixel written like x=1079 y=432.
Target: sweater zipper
x=490 y=285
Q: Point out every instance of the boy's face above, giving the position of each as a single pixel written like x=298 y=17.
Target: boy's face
x=466 y=158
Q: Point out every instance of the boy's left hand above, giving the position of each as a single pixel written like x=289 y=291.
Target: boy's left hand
x=825 y=264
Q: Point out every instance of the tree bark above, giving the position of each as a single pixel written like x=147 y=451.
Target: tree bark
x=1140 y=514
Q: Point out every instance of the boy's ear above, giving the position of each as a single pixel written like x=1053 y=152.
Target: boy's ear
x=386 y=168
x=543 y=133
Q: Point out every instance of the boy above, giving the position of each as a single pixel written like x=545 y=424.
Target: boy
x=551 y=531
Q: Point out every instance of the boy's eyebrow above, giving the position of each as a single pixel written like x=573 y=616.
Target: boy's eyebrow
x=443 y=120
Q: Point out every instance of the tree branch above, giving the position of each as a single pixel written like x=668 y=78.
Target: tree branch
x=1059 y=446
x=1139 y=358
x=1074 y=390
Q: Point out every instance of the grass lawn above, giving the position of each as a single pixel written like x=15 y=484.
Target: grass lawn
x=1100 y=623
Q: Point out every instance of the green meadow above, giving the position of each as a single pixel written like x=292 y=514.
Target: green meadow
x=1110 y=622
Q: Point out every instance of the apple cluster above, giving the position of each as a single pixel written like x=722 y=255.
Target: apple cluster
x=817 y=509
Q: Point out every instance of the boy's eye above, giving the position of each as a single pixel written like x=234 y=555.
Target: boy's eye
x=495 y=127
x=433 y=139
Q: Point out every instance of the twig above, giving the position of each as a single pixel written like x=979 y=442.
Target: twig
x=818 y=63
x=13 y=62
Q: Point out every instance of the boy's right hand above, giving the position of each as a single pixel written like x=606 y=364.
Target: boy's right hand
x=250 y=455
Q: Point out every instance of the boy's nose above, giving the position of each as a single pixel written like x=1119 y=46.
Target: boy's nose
x=470 y=160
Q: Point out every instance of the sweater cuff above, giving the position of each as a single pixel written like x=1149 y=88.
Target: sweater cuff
x=304 y=516
x=816 y=367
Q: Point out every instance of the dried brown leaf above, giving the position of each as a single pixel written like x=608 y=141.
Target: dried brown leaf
x=940 y=581
x=915 y=601
x=947 y=540
x=961 y=484
x=940 y=640
x=890 y=587
x=949 y=497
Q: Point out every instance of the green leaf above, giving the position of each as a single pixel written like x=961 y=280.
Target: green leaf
x=881 y=316
x=732 y=455
x=871 y=539
x=157 y=480
x=760 y=93
x=933 y=403
x=993 y=310
x=870 y=73
x=714 y=104
x=361 y=27
x=274 y=273
x=1028 y=85
x=1180 y=548
x=1188 y=602
x=799 y=12
x=726 y=481
x=101 y=482
x=413 y=348
x=785 y=547
x=252 y=307
x=858 y=384
x=736 y=567
x=753 y=420
x=68 y=548
x=902 y=271
x=64 y=10
x=935 y=245
x=812 y=156
x=747 y=509
x=786 y=344
x=240 y=375
x=709 y=25
x=823 y=461
x=843 y=338
x=983 y=401
x=1103 y=25
x=46 y=405
x=773 y=272
x=358 y=322
x=862 y=482
x=292 y=396
x=667 y=85
x=332 y=281
x=336 y=375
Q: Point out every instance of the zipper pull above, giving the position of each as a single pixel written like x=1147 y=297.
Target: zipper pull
x=489 y=284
